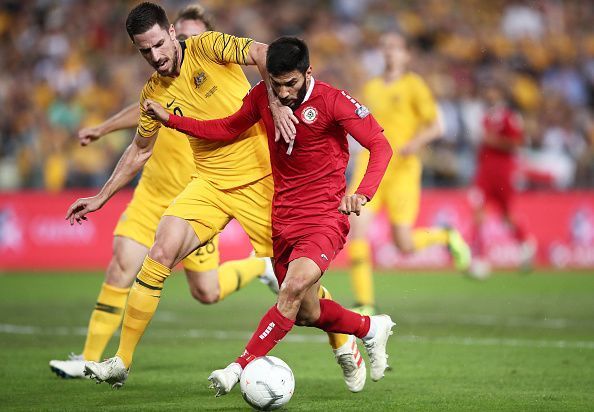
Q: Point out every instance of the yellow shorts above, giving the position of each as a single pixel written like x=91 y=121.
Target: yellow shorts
x=140 y=220
x=209 y=209
x=399 y=192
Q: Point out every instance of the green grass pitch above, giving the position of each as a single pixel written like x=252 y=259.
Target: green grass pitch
x=510 y=343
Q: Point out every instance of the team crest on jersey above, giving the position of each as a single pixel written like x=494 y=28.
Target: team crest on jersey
x=199 y=79
x=309 y=115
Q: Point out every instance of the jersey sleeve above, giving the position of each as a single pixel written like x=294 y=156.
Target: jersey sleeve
x=359 y=123
x=147 y=126
x=227 y=128
x=221 y=48
x=423 y=102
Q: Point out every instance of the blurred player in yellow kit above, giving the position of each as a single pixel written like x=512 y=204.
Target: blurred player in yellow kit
x=164 y=176
x=202 y=78
x=403 y=104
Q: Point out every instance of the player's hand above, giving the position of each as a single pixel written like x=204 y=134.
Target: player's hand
x=89 y=134
x=78 y=210
x=284 y=122
x=155 y=111
x=352 y=204
x=410 y=148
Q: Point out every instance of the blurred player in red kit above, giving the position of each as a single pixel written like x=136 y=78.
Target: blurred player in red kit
x=310 y=206
x=496 y=166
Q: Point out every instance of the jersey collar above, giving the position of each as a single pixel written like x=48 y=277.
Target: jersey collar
x=309 y=90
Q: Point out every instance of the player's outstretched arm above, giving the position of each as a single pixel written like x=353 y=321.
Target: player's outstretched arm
x=124 y=119
x=227 y=128
x=132 y=160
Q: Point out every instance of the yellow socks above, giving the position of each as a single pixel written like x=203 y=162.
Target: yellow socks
x=336 y=339
x=142 y=304
x=361 y=271
x=428 y=236
x=236 y=274
x=105 y=320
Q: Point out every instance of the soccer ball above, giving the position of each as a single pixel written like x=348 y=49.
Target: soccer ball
x=480 y=269
x=267 y=383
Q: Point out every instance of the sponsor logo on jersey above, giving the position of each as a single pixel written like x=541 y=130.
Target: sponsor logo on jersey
x=199 y=79
x=309 y=115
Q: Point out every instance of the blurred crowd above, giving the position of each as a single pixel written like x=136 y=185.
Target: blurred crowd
x=67 y=64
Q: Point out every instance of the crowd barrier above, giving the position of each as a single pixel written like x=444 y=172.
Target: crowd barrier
x=35 y=236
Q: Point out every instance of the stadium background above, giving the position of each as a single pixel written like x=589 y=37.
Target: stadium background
x=69 y=64
x=509 y=343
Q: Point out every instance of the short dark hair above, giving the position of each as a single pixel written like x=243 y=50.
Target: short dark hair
x=144 y=16
x=286 y=54
x=195 y=12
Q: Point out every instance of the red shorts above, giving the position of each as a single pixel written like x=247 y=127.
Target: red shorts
x=317 y=244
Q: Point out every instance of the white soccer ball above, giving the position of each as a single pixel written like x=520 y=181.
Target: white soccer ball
x=267 y=383
x=480 y=269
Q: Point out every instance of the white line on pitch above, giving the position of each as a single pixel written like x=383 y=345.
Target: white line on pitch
x=294 y=337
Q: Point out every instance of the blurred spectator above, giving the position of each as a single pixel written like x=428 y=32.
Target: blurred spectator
x=65 y=63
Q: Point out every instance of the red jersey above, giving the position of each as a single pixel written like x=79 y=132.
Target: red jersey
x=503 y=124
x=310 y=181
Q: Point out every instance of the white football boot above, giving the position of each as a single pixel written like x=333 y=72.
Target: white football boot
x=73 y=368
x=111 y=371
x=376 y=346
x=352 y=364
x=268 y=277
x=223 y=380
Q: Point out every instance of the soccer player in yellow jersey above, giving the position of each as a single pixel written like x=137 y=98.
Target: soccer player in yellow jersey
x=200 y=77
x=164 y=176
x=403 y=104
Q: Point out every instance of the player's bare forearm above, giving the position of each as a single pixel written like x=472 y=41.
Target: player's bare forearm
x=284 y=119
x=499 y=143
x=426 y=135
x=124 y=119
x=131 y=162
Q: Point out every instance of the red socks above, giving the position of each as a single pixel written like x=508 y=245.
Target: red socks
x=274 y=326
x=272 y=329
x=335 y=318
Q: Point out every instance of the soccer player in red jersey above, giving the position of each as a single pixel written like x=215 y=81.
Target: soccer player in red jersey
x=496 y=165
x=310 y=208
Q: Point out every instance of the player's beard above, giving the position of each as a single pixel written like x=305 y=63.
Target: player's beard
x=172 y=70
x=295 y=103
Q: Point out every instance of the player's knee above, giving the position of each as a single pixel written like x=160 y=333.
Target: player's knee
x=207 y=296
x=119 y=272
x=404 y=245
x=294 y=286
x=162 y=254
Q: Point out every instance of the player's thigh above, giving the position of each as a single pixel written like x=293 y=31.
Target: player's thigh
x=251 y=205
x=360 y=224
x=201 y=267
x=205 y=258
x=198 y=206
x=126 y=261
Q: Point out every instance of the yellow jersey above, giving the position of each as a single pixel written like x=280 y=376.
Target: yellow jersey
x=170 y=167
x=211 y=85
x=402 y=107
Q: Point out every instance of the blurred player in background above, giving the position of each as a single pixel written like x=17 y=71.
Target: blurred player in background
x=493 y=185
x=164 y=176
x=310 y=207
x=404 y=106
x=203 y=78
